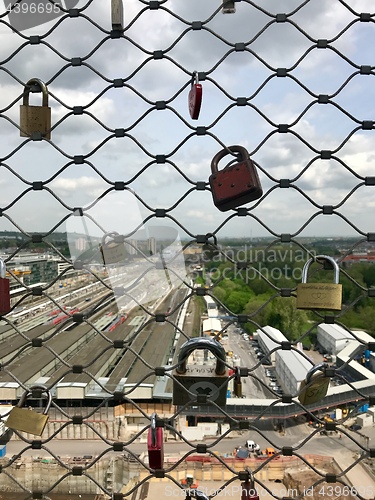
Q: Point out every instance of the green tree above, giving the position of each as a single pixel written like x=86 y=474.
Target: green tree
x=237 y=300
x=286 y=318
x=259 y=311
x=366 y=319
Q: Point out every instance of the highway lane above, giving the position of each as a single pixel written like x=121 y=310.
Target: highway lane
x=320 y=445
x=244 y=356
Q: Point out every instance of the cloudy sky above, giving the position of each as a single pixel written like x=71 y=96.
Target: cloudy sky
x=171 y=132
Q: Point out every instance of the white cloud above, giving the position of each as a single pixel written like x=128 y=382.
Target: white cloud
x=161 y=132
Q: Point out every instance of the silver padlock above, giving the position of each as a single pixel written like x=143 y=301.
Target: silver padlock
x=113 y=251
x=315 y=386
x=208 y=381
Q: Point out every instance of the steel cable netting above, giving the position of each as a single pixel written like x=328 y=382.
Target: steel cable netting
x=125 y=172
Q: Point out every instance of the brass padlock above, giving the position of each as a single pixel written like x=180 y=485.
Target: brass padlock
x=237 y=384
x=319 y=295
x=206 y=380
x=315 y=386
x=27 y=420
x=113 y=251
x=35 y=118
x=117 y=14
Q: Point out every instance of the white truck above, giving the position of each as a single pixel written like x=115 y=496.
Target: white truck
x=252 y=446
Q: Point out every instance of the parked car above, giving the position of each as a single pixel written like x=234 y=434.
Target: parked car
x=355 y=427
x=252 y=446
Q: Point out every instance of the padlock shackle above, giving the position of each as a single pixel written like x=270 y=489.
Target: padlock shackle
x=320 y=367
x=336 y=268
x=194 y=78
x=211 y=345
x=195 y=493
x=3 y=270
x=153 y=429
x=224 y=152
x=27 y=90
x=32 y=388
x=110 y=234
x=248 y=490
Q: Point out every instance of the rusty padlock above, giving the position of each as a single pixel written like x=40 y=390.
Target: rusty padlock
x=315 y=386
x=4 y=290
x=155 y=445
x=25 y=420
x=235 y=184
x=195 y=97
x=319 y=295
x=35 y=118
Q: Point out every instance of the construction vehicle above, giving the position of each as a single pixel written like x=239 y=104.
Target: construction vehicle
x=267 y=453
x=188 y=482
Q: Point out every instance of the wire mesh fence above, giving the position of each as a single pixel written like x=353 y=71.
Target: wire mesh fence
x=120 y=122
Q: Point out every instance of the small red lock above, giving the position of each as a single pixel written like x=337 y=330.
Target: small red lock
x=195 y=97
x=4 y=290
x=155 y=445
x=235 y=184
x=248 y=491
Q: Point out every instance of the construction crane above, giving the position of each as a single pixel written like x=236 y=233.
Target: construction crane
x=19 y=272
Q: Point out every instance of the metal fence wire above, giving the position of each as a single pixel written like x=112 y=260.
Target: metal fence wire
x=122 y=169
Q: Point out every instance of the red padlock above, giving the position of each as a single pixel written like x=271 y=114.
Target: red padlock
x=195 y=97
x=4 y=290
x=235 y=184
x=248 y=491
x=155 y=445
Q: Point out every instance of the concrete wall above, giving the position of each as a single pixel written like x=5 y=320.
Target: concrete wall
x=42 y=474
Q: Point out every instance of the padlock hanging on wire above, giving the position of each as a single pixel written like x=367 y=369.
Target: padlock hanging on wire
x=248 y=491
x=117 y=15
x=237 y=384
x=113 y=251
x=195 y=96
x=4 y=290
x=237 y=183
x=155 y=445
x=228 y=7
x=315 y=386
x=319 y=295
x=210 y=382
x=28 y=420
x=35 y=119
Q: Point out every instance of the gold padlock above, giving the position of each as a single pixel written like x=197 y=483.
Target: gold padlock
x=113 y=251
x=35 y=118
x=315 y=386
x=27 y=420
x=319 y=295
x=237 y=384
